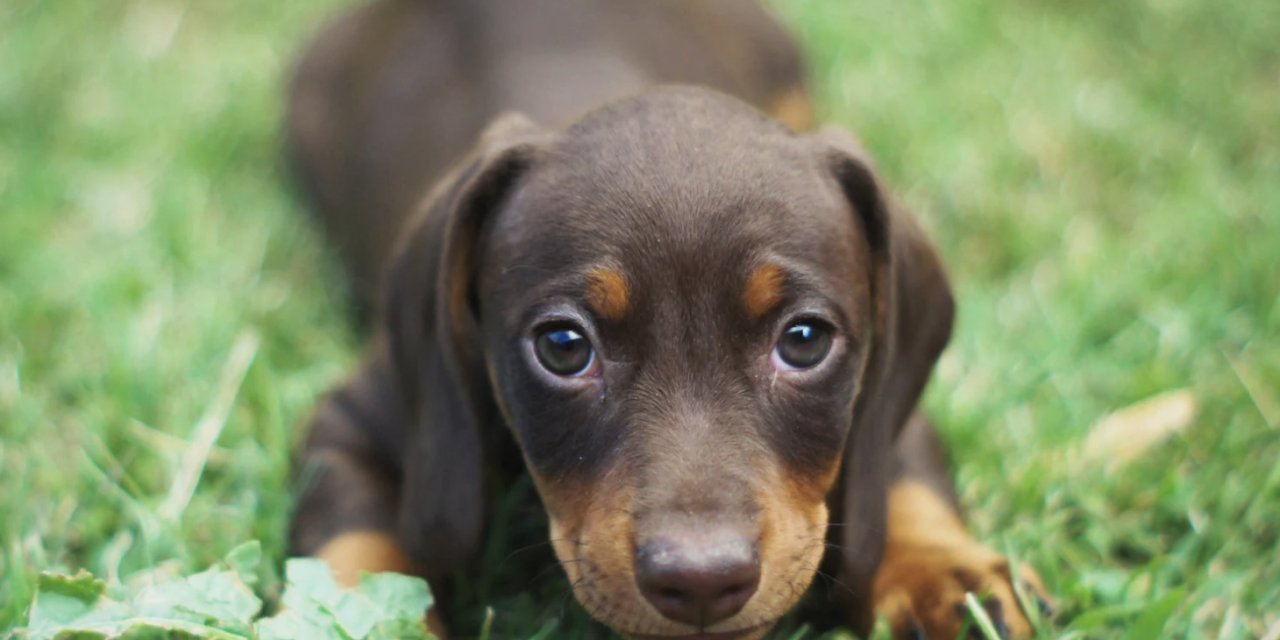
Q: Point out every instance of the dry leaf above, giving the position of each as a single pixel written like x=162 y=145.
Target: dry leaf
x=1128 y=433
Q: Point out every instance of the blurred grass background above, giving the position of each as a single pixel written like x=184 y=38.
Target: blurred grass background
x=1102 y=177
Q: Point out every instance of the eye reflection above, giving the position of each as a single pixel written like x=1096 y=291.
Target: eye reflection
x=563 y=349
x=803 y=344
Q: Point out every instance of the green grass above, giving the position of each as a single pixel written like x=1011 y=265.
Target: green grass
x=1103 y=178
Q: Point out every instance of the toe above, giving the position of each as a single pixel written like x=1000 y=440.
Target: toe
x=1032 y=590
x=1007 y=612
x=895 y=609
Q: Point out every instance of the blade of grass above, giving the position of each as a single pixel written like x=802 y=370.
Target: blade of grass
x=487 y=627
x=985 y=625
x=210 y=426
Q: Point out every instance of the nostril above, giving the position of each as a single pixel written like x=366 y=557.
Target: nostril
x=733 y=597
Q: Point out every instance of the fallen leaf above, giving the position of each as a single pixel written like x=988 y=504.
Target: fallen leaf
x=1128 y=433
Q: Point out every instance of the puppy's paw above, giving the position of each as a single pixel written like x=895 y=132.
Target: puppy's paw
x=931 y=562
x=920 y=590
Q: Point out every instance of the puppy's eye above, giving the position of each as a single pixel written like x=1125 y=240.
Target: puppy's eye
x=563 y=349
x=803 y=344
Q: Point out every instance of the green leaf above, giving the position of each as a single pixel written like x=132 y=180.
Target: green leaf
x=396 y=595
x=218 y=603
x=61 y=599
x=309 y=579
x=211 y=604
x=292 y=624
x=245 y=560
x=220 y=595
x=382 y=606
x=398 y=603
x=402 y=629
x=82 y=586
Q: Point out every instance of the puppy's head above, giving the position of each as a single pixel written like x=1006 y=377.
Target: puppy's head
x=678 y=307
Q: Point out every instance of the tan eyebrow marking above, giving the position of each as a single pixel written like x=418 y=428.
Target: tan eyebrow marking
x=791 y=107
x=763 y=291
x=608 y=293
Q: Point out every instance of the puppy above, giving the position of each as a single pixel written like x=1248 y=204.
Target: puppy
x=703 y=334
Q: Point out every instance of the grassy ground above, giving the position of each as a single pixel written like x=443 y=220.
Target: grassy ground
x=1103 y=177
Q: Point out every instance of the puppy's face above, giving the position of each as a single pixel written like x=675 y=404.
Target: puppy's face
x=675 y=312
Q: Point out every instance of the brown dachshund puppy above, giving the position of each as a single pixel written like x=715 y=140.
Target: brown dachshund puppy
x=705 y=334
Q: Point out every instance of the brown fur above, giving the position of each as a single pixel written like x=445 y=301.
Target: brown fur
x=685 y=428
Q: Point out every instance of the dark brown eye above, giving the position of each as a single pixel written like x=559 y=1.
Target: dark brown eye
x=563 y=350
x=803 y=344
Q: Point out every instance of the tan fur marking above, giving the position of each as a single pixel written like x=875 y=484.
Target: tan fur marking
x=763 y=290
x=918 y=514
x=930 y=562
x=608 y=293
x=792 y=108
x=593 y=532
x=355 y=552
x=791 y=545
x=812 y=488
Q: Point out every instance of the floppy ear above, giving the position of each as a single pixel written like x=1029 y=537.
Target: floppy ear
x=913 y=309
x=432 y=335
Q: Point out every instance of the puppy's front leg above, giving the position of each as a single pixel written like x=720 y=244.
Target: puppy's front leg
x=346 y=511
x=930 y=560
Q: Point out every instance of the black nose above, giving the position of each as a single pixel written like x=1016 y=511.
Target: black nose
x=698 y=579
